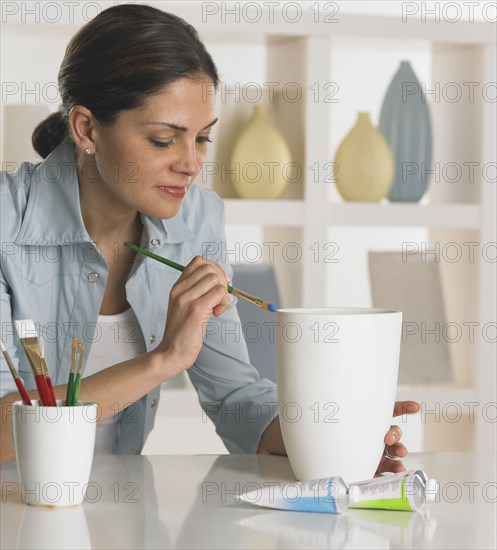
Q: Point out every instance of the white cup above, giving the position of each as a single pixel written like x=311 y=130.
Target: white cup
x=337 y=381
x=54 y=451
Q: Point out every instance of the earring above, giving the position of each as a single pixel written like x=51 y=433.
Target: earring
x=87 y=151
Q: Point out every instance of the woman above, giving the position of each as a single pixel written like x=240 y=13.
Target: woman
x=120 y=159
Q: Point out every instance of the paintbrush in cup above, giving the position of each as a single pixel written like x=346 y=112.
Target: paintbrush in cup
x=79 y=373
x=70 y=383
x=46 y=372
x=31 y=346
x=20 y=386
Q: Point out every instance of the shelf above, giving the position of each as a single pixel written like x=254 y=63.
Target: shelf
x=277 y=213
x=232 y=21
x=190 y=431
x=436 y=396
x=184 y=401
x=453 y=216
x=291 y=213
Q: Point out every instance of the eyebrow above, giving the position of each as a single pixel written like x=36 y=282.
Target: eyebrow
x=176 y=127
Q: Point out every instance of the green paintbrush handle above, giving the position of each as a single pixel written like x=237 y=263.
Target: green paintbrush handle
x=160 y=259
x=77 y=386
x=232 y=290
x=70 y=390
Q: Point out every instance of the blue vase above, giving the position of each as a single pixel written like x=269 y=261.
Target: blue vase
x=405 y=124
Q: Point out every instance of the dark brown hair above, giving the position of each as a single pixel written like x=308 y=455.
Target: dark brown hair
x=125 y=54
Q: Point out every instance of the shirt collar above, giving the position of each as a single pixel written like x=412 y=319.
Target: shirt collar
x=53 y=215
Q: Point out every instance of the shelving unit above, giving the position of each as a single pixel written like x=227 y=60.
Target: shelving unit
x=460 y=52
x=306 y=214
x=291 y=213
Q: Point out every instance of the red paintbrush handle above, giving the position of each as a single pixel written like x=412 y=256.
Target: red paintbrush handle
x=22 y=390
x=50 y=389
x=44 y=392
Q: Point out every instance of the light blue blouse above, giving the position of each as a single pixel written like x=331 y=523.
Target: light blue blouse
x=53 y=273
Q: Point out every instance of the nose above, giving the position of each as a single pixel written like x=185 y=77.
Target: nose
x=188 y=161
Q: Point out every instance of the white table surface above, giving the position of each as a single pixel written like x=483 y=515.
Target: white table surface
x=191 y=502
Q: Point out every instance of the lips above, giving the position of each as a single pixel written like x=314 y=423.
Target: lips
x=173 y=191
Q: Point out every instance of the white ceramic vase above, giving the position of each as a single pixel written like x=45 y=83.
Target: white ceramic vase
x=337 y=380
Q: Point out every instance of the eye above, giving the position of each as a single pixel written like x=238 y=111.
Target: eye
x=161 y=144
x=203 y=139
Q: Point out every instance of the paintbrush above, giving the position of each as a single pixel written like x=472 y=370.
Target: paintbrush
x=20 y=386
x=77 y=382
x=231 y=289
x=70 y=383
x=31 y=346
x=46 y=372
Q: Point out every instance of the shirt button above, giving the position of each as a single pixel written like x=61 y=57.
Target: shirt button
x=93 y=277
x=155 y=242
x=154 y=403
x=152 y=338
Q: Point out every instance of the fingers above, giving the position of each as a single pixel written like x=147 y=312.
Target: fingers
x=393 y=435
x=405 y=407
x=197 y=284
x=391 y=459
x=394 y=452
x=198 y=262
x=200 y=292
x=199 y=277
x=220 y=308
x=387 y=465
x=214 y=300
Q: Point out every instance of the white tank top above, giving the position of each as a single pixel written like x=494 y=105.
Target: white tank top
x=117 y=338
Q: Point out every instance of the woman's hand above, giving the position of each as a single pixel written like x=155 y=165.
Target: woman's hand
x=200 y=291
x=394 y=450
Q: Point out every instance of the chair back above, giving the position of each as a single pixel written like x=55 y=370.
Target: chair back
x=258 y=325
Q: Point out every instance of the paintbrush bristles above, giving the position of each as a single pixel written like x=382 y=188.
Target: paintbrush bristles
x=73 y=356
x=252 y=299
x=9 y=361
x=28 y=336
x=34 y=353
x=17 y=379
x=80 y=362
x=31 y=346
x=43 y=363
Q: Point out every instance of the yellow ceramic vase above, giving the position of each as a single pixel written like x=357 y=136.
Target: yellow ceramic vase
x=364 y=163
x=259 y=163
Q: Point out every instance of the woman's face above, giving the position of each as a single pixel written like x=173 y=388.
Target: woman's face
x=148 y=159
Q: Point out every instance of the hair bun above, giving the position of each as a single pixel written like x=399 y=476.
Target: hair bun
x=48 y=134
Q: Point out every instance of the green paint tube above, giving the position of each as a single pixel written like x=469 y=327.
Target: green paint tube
x=408 y=491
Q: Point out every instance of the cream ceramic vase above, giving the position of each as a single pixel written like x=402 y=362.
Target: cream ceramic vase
x=365 y=165
x=260 y=161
